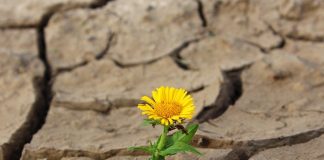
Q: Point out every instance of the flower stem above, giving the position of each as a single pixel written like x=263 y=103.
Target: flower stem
x=162 y=141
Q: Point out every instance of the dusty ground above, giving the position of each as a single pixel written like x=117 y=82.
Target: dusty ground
x=72 y=73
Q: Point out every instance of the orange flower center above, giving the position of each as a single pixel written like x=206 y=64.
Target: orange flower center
x=167 y=110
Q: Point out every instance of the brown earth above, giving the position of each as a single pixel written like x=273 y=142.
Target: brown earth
x=72 y=73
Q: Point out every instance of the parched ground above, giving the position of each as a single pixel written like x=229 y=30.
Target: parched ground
x=72 y=73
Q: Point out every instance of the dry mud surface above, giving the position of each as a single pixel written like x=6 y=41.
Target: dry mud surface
x=72 y=73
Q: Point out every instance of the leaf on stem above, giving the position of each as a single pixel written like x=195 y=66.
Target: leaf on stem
x=147 y=122
x=179 y=147
x=183 y=137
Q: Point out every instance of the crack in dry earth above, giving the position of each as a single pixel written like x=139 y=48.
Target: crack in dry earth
x=241 y=150
x=296 y=37
x=53 y=10
x=42 y=85
x=37 y=115
x=317 y=39
x=252 y=147
x=98 y=57
x=201 y=14
x=282 y=42
x=174 y=54
x=266 y=50
x=35 y=119
x=54 y=154
x=230 y=91
x=101 y=106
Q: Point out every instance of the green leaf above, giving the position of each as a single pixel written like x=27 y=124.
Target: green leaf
x=148 y=149
x=180 y=136
x=147 y=122
x=186 y=138
x=157 y=142
x=191 y=129
x=156 y=158
x=169 y=141
x=177 y=135
x=179 y=147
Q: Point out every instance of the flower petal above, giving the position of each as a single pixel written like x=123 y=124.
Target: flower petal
x=145 y=107
x=148 y=100
x=170 y=121
x=168 y=105
x=156 y=96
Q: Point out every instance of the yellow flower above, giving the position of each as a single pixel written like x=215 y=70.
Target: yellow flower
x=169 y=105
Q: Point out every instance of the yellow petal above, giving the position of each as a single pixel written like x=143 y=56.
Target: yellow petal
x=145 y=107
x=148 y=100
x=151 y=116
x=187 y=110
x=167 y=94
x=147 y=112
x=175 y=117
x=163 y=121
x=156 y=117
x=161 y=92
x=183 y=93
x=170 y=121
x=166 y=122
x=171 y=93
x=176 y=95
x=156 y=96
x=168 y=105
x=186 y=101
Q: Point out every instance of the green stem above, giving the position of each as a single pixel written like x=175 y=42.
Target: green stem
x=162 y=141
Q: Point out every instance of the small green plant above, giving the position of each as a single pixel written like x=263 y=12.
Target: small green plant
x=169 y=107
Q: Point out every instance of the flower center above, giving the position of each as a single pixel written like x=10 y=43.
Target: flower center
x=167 y=110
